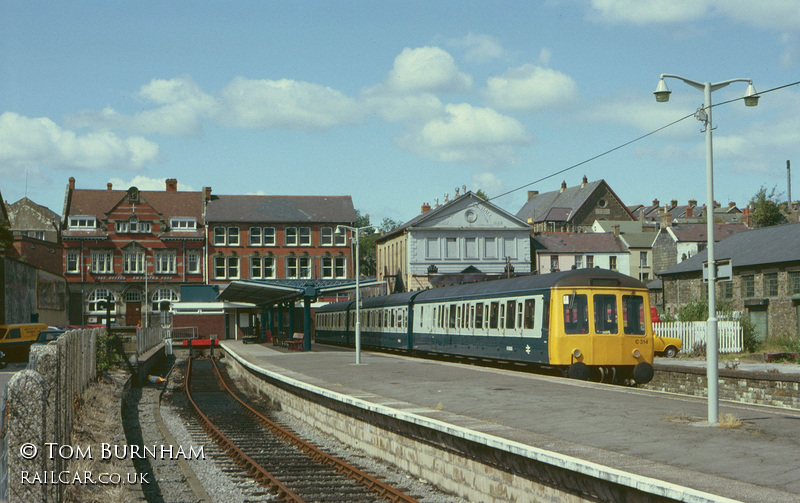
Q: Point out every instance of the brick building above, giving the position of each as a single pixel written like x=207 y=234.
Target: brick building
x=135 y=247
x=765 y=283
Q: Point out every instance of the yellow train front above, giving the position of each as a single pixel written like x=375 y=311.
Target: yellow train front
x=588 y=323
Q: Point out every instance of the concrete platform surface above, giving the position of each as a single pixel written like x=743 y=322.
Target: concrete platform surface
x=649 y=434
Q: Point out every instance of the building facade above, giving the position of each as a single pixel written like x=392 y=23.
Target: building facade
x=562 y=251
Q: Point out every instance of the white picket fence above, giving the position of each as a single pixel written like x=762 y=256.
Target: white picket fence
x=729 y=334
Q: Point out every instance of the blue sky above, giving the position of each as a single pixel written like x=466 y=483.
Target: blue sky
x=395 y=103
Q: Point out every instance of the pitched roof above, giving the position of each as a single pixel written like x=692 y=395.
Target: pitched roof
x=561 y=205
x=755 y=247
x=169 y=204
x=632 y=233
x=293 y=209
x=690 y=233
x=580 y=242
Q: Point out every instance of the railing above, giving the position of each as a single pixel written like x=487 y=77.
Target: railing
x=729 y=334
x=147 y=338
x=181 y=333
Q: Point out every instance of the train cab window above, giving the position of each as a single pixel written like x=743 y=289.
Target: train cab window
x=479 y=316
x=494 y=312
x=530 y=313
x=633 y=314
x=576 y=314
x=605 y=314
x=511 y=310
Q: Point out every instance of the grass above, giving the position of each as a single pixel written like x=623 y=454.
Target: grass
x=730 y=422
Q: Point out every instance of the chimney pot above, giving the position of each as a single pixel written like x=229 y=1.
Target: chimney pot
x=731 y=205
x=615 y=229
x=172 y=184
x=426 y=207
x=692 y=202
x=673 y=203
x=109 y=186
x=207 y=194
x=72 y=183
x=563 y=185
x=656 y=203
x=584 y=182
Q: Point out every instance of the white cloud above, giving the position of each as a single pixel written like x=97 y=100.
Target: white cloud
x=479 y=48
x=469 y=135
x=531 y=87
x=427 y=69
x=544 y=56
x=33 y=142
x=489 y=183
x=402 y=107
x=147 y=183
x=286 y=103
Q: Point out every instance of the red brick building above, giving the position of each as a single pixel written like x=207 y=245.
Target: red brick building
x=137 y=247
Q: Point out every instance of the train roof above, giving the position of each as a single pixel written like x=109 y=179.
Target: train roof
x=495 y=288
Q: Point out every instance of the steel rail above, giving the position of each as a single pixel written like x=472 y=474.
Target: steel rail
x=253 y=468
x=382 y=489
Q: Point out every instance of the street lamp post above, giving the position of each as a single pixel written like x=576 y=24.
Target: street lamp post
x=662 y=93
x=354 y=239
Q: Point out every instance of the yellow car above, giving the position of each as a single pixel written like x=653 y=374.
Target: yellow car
x=666 y=346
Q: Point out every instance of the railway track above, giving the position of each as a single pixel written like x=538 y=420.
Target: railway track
x=287 y=467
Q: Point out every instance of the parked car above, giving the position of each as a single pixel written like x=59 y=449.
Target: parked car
x=46 y=336
x=666 y=346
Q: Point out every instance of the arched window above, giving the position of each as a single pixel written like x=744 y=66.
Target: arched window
x=97 y=300
x=133 y=296
x=165 y=296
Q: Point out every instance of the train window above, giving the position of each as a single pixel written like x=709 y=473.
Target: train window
x=633 y=314
x=479 y=316
x=530 y=313
x=519 y=316
x=471 y=323
x=576 y=314
x=494 y=312
x=452 y=317
x=605 y=314
x=511 y=310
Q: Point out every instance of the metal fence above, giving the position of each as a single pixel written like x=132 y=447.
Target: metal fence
x=148 y=338
x=729 y=334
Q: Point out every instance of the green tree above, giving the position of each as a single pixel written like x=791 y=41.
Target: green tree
x=766 y=209
x=366 y=241
x=698 y=311
x=6 y=236
x=480 y=193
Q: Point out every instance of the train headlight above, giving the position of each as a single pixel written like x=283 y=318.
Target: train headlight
x=577 y=353
x=637 y=353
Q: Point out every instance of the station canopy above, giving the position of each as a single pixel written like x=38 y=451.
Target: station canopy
x=273 y=291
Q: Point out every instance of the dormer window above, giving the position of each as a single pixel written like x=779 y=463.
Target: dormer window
x=133 y=225
x=82 y=223
x=183 y=224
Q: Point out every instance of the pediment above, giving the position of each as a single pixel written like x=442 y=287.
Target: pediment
x=470 y=211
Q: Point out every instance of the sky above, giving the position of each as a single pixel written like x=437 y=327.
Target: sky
x=396 y=103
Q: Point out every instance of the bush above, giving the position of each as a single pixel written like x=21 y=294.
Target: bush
x=107 y=357
x=698 y=311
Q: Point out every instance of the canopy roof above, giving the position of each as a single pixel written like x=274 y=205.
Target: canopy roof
x=273 y=291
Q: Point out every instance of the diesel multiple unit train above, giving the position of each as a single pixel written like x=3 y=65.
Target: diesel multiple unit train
x=587 y=323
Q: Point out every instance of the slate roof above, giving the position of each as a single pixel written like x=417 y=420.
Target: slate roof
x=581 y=242
x=287 y=209
x=561 y=205
x=631 y=232
x=689 y=233
x=168 y=204
x=757 y=247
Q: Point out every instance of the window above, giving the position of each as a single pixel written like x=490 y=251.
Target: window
x=298 y=267
x=233 y=236
x=102 y=262
x=451 y=247
x=269 y=236
x=291 y=236
x=219 y=235
x=553 y=263
x=339 y=239
x=33 y=234
x=262 y=267
x=452 y=316
x=633 y=314
x=530 y=313
x=727 y=289
x=470 y=248
x=794 y=281
x=219 y=267
x=226 y=267
x=133 y=296
x=97 y=300
x=432 y=248
x=80 y=222
x=73 y=261
x=771 y=284
x=255 y=236
x=490 y=248
x=326 y=236
x=510 y=247
x=133 y=262
x=612 y=263
x=576 y=314
x=165 y=263
x=133 y=226
x=642 y=259
x=748 y=287
x=511 y=309
x=233 y=267
x=333 y=267
x=193 y=262
x=183 y=224
x=494 y=313
x=163 y=298
x=479 y=316
x=605 y=314
x=340 y=267
x=589 y=261
x=578 y=261
x=305 y=236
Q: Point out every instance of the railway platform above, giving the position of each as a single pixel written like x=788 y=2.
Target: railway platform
x=650 y=436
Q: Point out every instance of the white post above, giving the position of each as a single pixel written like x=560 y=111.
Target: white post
x=358 y=305
x=712 y=347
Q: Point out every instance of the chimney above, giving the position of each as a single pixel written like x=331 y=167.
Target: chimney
x=532 y=194
x=692 y=202
x=72 y=183
x=747 y=218
x=689 y=211
x=615 y=230
x=426 y=207
x=207 y=194
x=563 y=185
x=109 y=186
x=731 y=205
x=172 y=184
x=656 y=203
x=584 y=182
x=666 y=218
x=673 y=203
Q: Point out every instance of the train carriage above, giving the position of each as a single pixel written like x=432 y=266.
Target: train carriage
x=588 y=323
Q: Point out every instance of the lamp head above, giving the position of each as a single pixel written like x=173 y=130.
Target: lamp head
x=338 y=230
x=750 y=97
x=662 y=92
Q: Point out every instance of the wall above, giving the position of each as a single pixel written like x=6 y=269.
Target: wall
x=208 y=325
